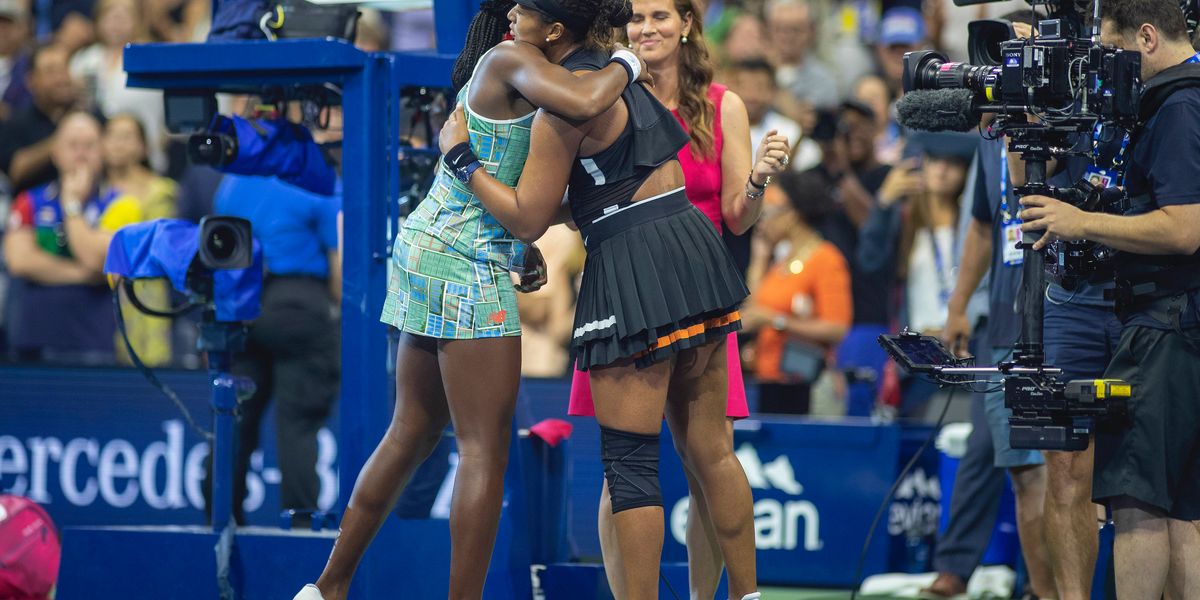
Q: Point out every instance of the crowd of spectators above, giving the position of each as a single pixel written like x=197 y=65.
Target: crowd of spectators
x=83 y=154
x=861 y=239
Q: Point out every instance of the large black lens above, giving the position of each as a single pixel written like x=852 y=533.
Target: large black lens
x=222 y=242
x=213 y=149
x=920 y=69
x=225 y=243
x=928 y=70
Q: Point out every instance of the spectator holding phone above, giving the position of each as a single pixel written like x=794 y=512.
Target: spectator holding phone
x=911 y=234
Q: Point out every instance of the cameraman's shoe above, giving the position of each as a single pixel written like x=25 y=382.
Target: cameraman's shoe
x=310 y=592
x=946 y=586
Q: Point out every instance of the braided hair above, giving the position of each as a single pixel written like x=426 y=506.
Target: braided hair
x=487 y=29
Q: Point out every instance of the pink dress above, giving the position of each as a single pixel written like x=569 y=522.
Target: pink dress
x=702 y=179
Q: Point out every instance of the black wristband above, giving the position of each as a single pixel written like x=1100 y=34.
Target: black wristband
x=459 y=156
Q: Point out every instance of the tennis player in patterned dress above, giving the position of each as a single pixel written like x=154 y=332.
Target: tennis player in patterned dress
x=451 y=295
x=658 y=297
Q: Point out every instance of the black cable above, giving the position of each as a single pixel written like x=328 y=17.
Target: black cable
x=862 y=557
x=149 y=374
x=667 y=583
x=170 y=313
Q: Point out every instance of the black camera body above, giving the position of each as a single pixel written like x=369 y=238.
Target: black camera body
x=1050 y=415
x=1072 y=263
x=1065 y=78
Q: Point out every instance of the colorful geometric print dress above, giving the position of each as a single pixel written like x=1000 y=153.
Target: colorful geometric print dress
x=449 y=274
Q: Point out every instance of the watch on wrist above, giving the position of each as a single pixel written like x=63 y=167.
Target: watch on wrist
x=72 y=208
x=779 y=323
x=464 y=172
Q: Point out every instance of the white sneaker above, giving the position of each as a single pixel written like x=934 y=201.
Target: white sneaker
x=310 y=592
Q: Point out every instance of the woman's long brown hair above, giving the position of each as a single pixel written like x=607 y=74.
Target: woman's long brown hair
x=695 y=76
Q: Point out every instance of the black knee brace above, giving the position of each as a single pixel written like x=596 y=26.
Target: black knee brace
x=631 y=468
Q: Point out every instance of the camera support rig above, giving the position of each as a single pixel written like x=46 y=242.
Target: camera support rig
x=1070 y=82
x=1047 y=414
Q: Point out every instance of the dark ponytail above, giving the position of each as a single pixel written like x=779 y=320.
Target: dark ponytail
x=487 y=29
x=603 y=17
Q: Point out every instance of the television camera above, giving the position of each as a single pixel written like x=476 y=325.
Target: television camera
x=218 y=267
x=1046 y=94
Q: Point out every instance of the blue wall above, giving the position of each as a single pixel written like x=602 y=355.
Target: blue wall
x=102 y=447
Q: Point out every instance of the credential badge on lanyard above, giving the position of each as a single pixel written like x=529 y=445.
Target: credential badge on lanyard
x=1010 y=223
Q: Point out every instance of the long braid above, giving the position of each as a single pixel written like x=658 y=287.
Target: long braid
x=487 y=29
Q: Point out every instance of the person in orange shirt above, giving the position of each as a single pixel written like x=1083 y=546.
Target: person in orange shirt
x=801 y=304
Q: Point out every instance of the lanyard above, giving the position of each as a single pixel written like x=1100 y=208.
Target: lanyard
x=1118 y=160
x=939 y=265
x=1006 y=217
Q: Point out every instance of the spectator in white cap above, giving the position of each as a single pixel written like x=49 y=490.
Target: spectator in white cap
x=901 y=30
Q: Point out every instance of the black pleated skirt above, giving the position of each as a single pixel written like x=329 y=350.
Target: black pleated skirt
x=657 y=280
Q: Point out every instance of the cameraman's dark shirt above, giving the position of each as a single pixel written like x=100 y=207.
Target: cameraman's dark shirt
x=1165 y=163
x=1004 y=281
x=1087 y=293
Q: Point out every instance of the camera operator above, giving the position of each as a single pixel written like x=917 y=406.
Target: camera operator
x=993 y=215
x=1081 y=334
x=292 y=353
x=1147 y=469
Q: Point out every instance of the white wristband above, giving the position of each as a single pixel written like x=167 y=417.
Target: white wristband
x=630 y=60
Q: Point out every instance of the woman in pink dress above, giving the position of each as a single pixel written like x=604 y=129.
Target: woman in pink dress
x=720 y=181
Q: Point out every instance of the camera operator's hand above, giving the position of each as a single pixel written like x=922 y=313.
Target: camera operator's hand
x=957 y=333
x=901 y=183
x=1060 y=221
x=533 y=273
x=454 y=132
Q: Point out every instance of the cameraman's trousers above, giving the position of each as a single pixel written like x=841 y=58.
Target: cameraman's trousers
x=1154 y=456
x=293 y=357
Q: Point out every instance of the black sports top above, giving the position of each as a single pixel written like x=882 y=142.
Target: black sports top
x=651 y=137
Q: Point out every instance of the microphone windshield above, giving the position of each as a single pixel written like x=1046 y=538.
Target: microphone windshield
x=937 y=110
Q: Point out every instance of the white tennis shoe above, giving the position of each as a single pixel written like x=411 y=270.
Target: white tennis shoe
x=310 y=592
